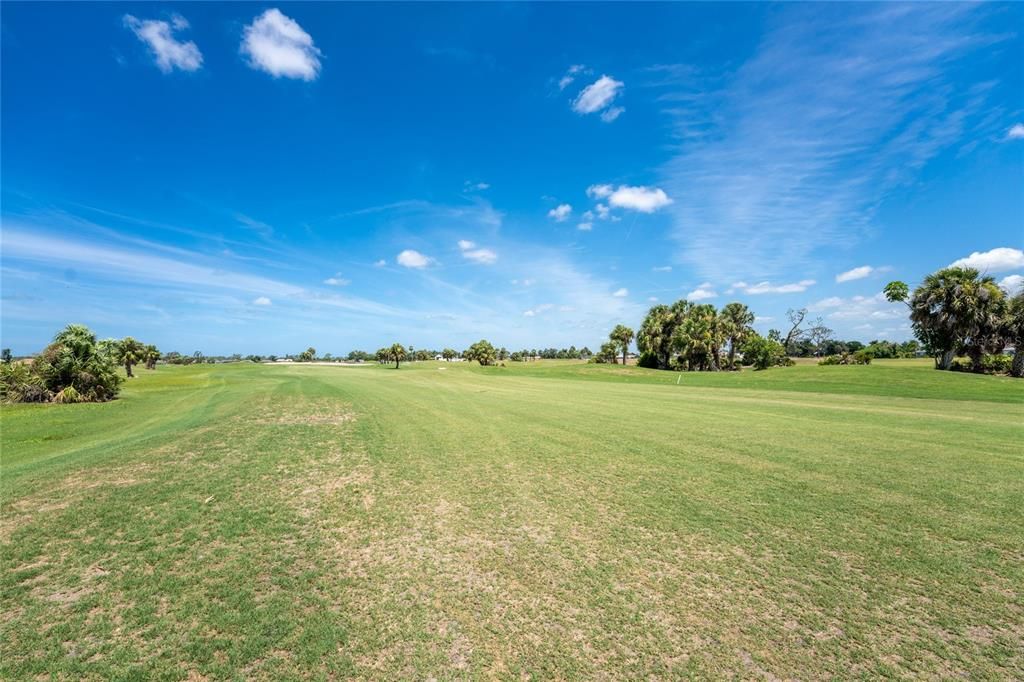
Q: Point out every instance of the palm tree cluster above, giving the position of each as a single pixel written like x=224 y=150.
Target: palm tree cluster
x=75 y=368
x=689 y=336
x=960 y=311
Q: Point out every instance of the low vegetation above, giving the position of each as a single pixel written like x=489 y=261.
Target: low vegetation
x=74 y=368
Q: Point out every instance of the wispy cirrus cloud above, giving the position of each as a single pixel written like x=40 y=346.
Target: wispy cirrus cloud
x=794 y=150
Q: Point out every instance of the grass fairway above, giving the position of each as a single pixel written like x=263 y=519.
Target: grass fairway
x=546 y=521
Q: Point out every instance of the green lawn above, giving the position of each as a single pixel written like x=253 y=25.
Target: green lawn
x=550 y=520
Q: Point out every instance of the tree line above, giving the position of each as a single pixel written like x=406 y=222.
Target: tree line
x=74 y=368
x=958 y=311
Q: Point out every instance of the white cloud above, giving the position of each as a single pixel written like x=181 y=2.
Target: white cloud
x=585 y=227
x=475 y=186
x=170 y=54
x=381 y=263
x=609 y=115
x=769 y=288
x=861 y=308
x=774 y=150
x=481 y=256
x=1016 y=132
x=856 y=273
x=621 y=293
x=337 y=281
x=600 y=191
x=529 y=313
x=652 y=299
x=262 y=300
x=570 y=75
x=702 y=292
x=413 y=259
x=597 y=95
x=643 y=199
x=996 y=260
x=1013 y=284
x=560 y=212
x=662 y=268
x=277 y=44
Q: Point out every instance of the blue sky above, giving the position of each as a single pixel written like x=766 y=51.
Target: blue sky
x=245 y=178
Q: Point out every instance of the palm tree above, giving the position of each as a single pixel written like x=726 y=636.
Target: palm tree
x=698 y=339
x=130 y=352
x=622 y=336
x=397 y=353
x=735 y=320
x=1014 y=332
x=151 y=355
x=954 y=307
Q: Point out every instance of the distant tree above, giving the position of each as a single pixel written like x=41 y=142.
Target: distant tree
x=396 y=354
x=448 y=354
x=622 y=336
x=150 y=355
x=130 y=352
x=607 y=353
x=1014 y=331
x=502 y=354
x=308 y=355
x=481 y=351
x=585 y=353
x=5 y=356
x=796 y=318
x=735 y=322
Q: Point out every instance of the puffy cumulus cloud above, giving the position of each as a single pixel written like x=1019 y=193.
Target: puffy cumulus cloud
x=1016 y=132
x=997 y=260
x=597 y=96
x=337 y=281
x=262 y=300
x=380 y=263
x=621 y=293
x=410 y=258
x=275 y=43
x=769 y=288
x=1013 y=284
x=477 y=255
x=560 y=212
x=856 y=273
x=585 y=226
x=635 y=198
x=168 y=52
x=702 y=292
x=643 y=199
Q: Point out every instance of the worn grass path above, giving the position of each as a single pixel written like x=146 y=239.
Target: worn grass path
x=551 y=520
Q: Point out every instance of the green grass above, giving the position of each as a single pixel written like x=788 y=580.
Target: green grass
x=545 y=520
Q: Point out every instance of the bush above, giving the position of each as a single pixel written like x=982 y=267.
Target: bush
x=763 y=353
x=861 y=357
x=71 y=369
x=990 y=364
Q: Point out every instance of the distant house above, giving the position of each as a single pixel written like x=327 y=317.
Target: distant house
x=284 y=360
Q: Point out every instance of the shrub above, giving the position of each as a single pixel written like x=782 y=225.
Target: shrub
x=861 y=357
x=763 y=353
x=990 y=364
x=71 y=369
